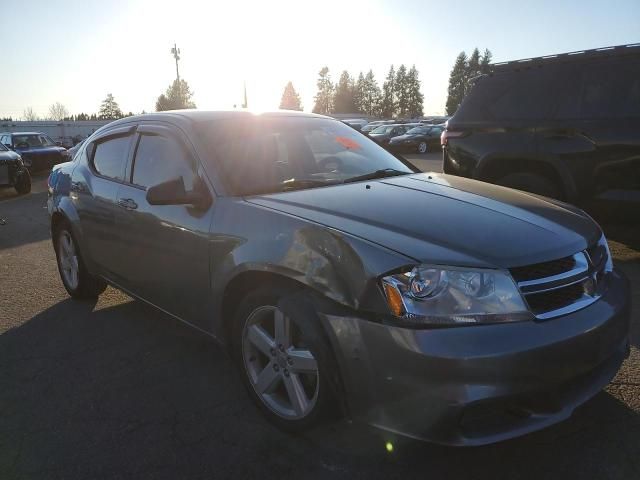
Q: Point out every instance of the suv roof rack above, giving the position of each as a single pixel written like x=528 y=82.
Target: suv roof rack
x=619 y=50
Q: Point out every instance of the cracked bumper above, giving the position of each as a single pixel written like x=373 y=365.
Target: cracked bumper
x=481 y=384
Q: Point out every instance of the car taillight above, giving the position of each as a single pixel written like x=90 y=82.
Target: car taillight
x=447 y=134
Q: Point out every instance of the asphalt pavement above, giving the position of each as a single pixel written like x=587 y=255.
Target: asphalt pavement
x=114 y=389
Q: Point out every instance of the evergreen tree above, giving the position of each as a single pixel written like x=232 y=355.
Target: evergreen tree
x=177 y=97
x=359 y=92
x=457 y=82
x=485 y=61
x=472 y=70
x=290 y=99
x=415 y=99
x=388 y=105
x=372 y=95
x=343 y=97
x=324 y=97
x=110 y=110
x=401 y=91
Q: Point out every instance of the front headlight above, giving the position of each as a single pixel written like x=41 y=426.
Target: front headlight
x=439 y=295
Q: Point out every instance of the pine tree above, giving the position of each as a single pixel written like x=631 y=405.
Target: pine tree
x=457 y=82
x=415 y=99
x=485 y=61
x=110 y=110
x=343 y=97
x=290 y=98
x=324 y=97
x=359 y=92
x=472 y=70
x=388 y=104
x=401 y=91
x=177 y=97
x=372 y=95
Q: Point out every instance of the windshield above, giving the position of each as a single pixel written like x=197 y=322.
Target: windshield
x=267 y=154
x=383 y=129
x=418 y=131
x=33 y=140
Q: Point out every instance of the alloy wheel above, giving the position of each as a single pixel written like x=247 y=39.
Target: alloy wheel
x=68 y=259
x=282 y=370
x=422 y=147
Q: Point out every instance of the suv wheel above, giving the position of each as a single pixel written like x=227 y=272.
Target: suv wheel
x=531 y=182
x=78 y=282
x=280 y=362
x=23 y=185
x=422 y=147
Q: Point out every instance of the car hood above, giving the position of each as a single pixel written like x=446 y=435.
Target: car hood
x=445 y=219
x=8 y=157
x=402 y=138
x=40 y=150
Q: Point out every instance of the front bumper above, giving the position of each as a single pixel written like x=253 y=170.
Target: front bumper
x=475 y=385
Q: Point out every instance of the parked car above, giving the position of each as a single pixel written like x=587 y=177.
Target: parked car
x=357 y=123
x=73 y=150
x=435 y=120
x=566 y=127
x=13 y=173
x=341 y=278
x=384 y=133
x=37 y=150
x=368 y=128
x=418 y=139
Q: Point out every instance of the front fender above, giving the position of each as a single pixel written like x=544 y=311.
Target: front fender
x=340 y=267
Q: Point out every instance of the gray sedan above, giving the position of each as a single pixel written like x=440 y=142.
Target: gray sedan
x=342 y=280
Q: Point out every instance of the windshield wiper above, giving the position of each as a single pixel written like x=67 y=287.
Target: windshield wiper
x=301 y=183
x=382 y=173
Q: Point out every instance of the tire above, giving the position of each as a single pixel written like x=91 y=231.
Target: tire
x=77 y=281
x=531 y=182
x=23 y=185
x=269 y=372
x=422 y=147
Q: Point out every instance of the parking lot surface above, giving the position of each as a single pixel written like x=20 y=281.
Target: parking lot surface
x=118 y=390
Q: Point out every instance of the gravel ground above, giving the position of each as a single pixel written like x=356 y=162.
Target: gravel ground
x=117 y=390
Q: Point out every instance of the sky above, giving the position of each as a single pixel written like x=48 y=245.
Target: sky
x=77 y=51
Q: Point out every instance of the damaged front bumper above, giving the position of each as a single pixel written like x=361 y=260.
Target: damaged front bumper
x=475 y=385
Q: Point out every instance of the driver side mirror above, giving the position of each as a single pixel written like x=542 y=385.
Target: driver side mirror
x=58 y=144
x=172 y=192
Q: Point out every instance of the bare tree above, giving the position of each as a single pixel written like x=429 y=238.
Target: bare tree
x=29 y=115
x=58 y=111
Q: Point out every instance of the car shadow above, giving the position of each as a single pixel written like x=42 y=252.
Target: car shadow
x=121 y=391
x=25 y=220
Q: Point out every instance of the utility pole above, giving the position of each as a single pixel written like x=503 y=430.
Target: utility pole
x=175 y=51
x=245 y=104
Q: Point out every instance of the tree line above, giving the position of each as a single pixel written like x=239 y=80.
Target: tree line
x=464 y=71
x=109 y=110
x=400 y=95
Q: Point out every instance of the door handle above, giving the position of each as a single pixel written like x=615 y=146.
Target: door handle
x=127 y=203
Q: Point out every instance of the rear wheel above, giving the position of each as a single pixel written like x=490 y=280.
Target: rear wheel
x=23 y=185
x=78 y=282
x=531 y=182
x=282 y=366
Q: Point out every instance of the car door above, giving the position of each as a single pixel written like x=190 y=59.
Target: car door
x=594 y=132
x=165 y=247
x=94 y=189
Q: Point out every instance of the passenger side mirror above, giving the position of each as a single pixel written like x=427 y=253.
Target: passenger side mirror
x=172 y=192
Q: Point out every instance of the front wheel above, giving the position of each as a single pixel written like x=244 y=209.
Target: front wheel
x=78 y=282
x=23 y=185
x=282 y=363
x=422 y=147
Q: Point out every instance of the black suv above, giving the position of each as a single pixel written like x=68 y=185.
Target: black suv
x=565 y=126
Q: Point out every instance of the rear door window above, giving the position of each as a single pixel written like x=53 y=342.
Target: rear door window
x=110 y=157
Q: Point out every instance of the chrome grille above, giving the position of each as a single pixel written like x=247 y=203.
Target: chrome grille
x=564 y=285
